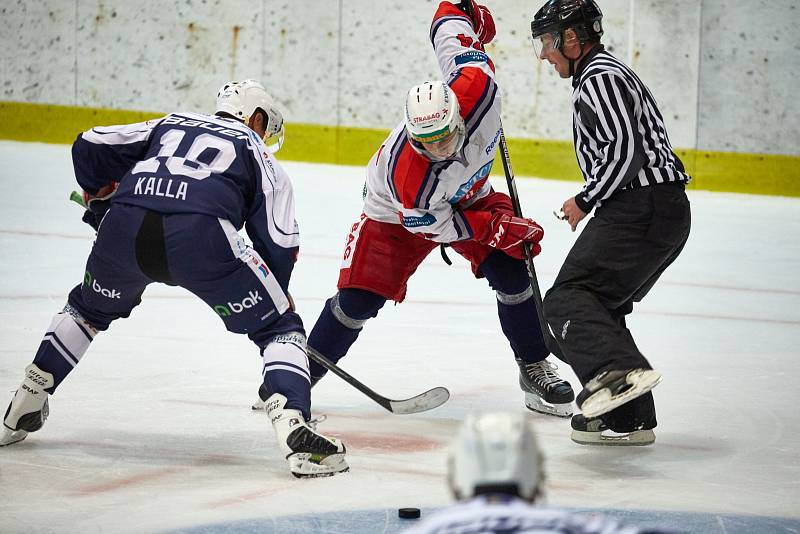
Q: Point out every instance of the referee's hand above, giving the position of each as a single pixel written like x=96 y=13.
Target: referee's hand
x=572 y=213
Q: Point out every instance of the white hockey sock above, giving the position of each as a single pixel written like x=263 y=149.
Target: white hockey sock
x=68 y=337
x=287 y=352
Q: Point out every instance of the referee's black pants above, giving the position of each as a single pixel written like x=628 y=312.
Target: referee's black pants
x=632 y=238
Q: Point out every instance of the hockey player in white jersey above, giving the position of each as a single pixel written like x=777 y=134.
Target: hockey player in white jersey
x=427 y=185
x=495 y=470
x=172 y=195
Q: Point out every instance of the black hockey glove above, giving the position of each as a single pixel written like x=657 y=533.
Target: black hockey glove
x=94 y=214
x=97 y=205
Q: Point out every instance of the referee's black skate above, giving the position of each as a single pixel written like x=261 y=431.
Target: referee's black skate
x=610 y=389
x=593 y=431
x=545 y=391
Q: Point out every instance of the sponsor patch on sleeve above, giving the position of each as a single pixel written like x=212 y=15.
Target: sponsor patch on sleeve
x=473 y=56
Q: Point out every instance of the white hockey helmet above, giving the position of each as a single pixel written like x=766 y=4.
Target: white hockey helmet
x=434 y=126
x=496 y=453
x=242 y=99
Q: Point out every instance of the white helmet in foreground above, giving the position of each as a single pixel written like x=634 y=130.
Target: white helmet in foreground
x=434 y=126
x=241 y=100
x=496 y=453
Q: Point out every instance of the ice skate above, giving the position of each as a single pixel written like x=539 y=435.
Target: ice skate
x=610 y=389
x=29 y=407
x=309 y=453
x=261 y=403
x=545 y=391
x=593 y=431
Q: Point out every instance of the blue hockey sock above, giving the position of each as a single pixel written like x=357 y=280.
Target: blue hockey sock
x=515 y=306
x=340 y=323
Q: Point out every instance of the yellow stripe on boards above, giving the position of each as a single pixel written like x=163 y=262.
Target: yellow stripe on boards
x=50 y=123
x=765 y=174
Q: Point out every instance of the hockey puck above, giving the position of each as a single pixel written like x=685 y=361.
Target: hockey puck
x=408 y=513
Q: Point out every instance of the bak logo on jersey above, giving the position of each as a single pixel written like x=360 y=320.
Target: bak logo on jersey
x=89 y=281
x=249 y=301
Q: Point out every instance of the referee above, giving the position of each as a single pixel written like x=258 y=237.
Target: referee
x=635 y=185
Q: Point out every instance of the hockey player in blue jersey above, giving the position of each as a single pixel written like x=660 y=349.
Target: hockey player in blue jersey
x=495 y=469
x=186 y=184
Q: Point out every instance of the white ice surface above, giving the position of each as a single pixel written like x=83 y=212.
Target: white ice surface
x=153 y=431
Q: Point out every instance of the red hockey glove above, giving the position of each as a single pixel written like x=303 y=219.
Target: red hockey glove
x=482 y=21
x=508 y=233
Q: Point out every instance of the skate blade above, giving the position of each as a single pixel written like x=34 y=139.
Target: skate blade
x=614 y=439
x=302 y=466
x=536 y=404
x=641 y=381
x=12 y=436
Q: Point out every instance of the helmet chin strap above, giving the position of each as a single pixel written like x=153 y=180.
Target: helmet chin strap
x=571 y=60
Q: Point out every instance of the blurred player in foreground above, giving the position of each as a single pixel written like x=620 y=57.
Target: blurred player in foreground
x=495 y=471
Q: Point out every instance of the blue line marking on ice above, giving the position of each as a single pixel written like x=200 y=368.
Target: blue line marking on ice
x=387 y=522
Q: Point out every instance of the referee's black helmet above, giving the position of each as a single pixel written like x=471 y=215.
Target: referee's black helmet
x=583 y=16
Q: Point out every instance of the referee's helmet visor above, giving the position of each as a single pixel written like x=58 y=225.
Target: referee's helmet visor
x=545 y=44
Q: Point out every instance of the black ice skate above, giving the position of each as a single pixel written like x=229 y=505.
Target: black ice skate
x=593 y=431
x=309 y=453
x=29 y=407
x=545 y=391
x=610 y=389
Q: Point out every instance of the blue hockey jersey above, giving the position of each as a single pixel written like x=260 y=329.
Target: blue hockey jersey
x=193 y=163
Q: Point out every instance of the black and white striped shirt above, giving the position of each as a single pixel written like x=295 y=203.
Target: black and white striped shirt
x=619 y=134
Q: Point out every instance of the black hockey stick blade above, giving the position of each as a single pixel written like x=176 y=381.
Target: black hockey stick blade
x=433 y=398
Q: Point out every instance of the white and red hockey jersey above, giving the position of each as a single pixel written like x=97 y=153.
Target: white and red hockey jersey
x=427 y=198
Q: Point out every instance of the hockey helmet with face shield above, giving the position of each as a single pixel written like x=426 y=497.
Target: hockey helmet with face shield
x=548 y=25
x=496 y=452
x=242 y=99
x=434 y=125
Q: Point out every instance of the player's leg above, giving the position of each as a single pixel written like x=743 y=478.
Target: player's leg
x=545 y=391
x=339 y=324
x=241 y=288
x=111 y=288
x=379 y=259
x=286 y=389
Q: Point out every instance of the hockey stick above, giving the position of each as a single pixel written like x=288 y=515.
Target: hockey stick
x=433 y=398
x=549 y=340
x=77 y=198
